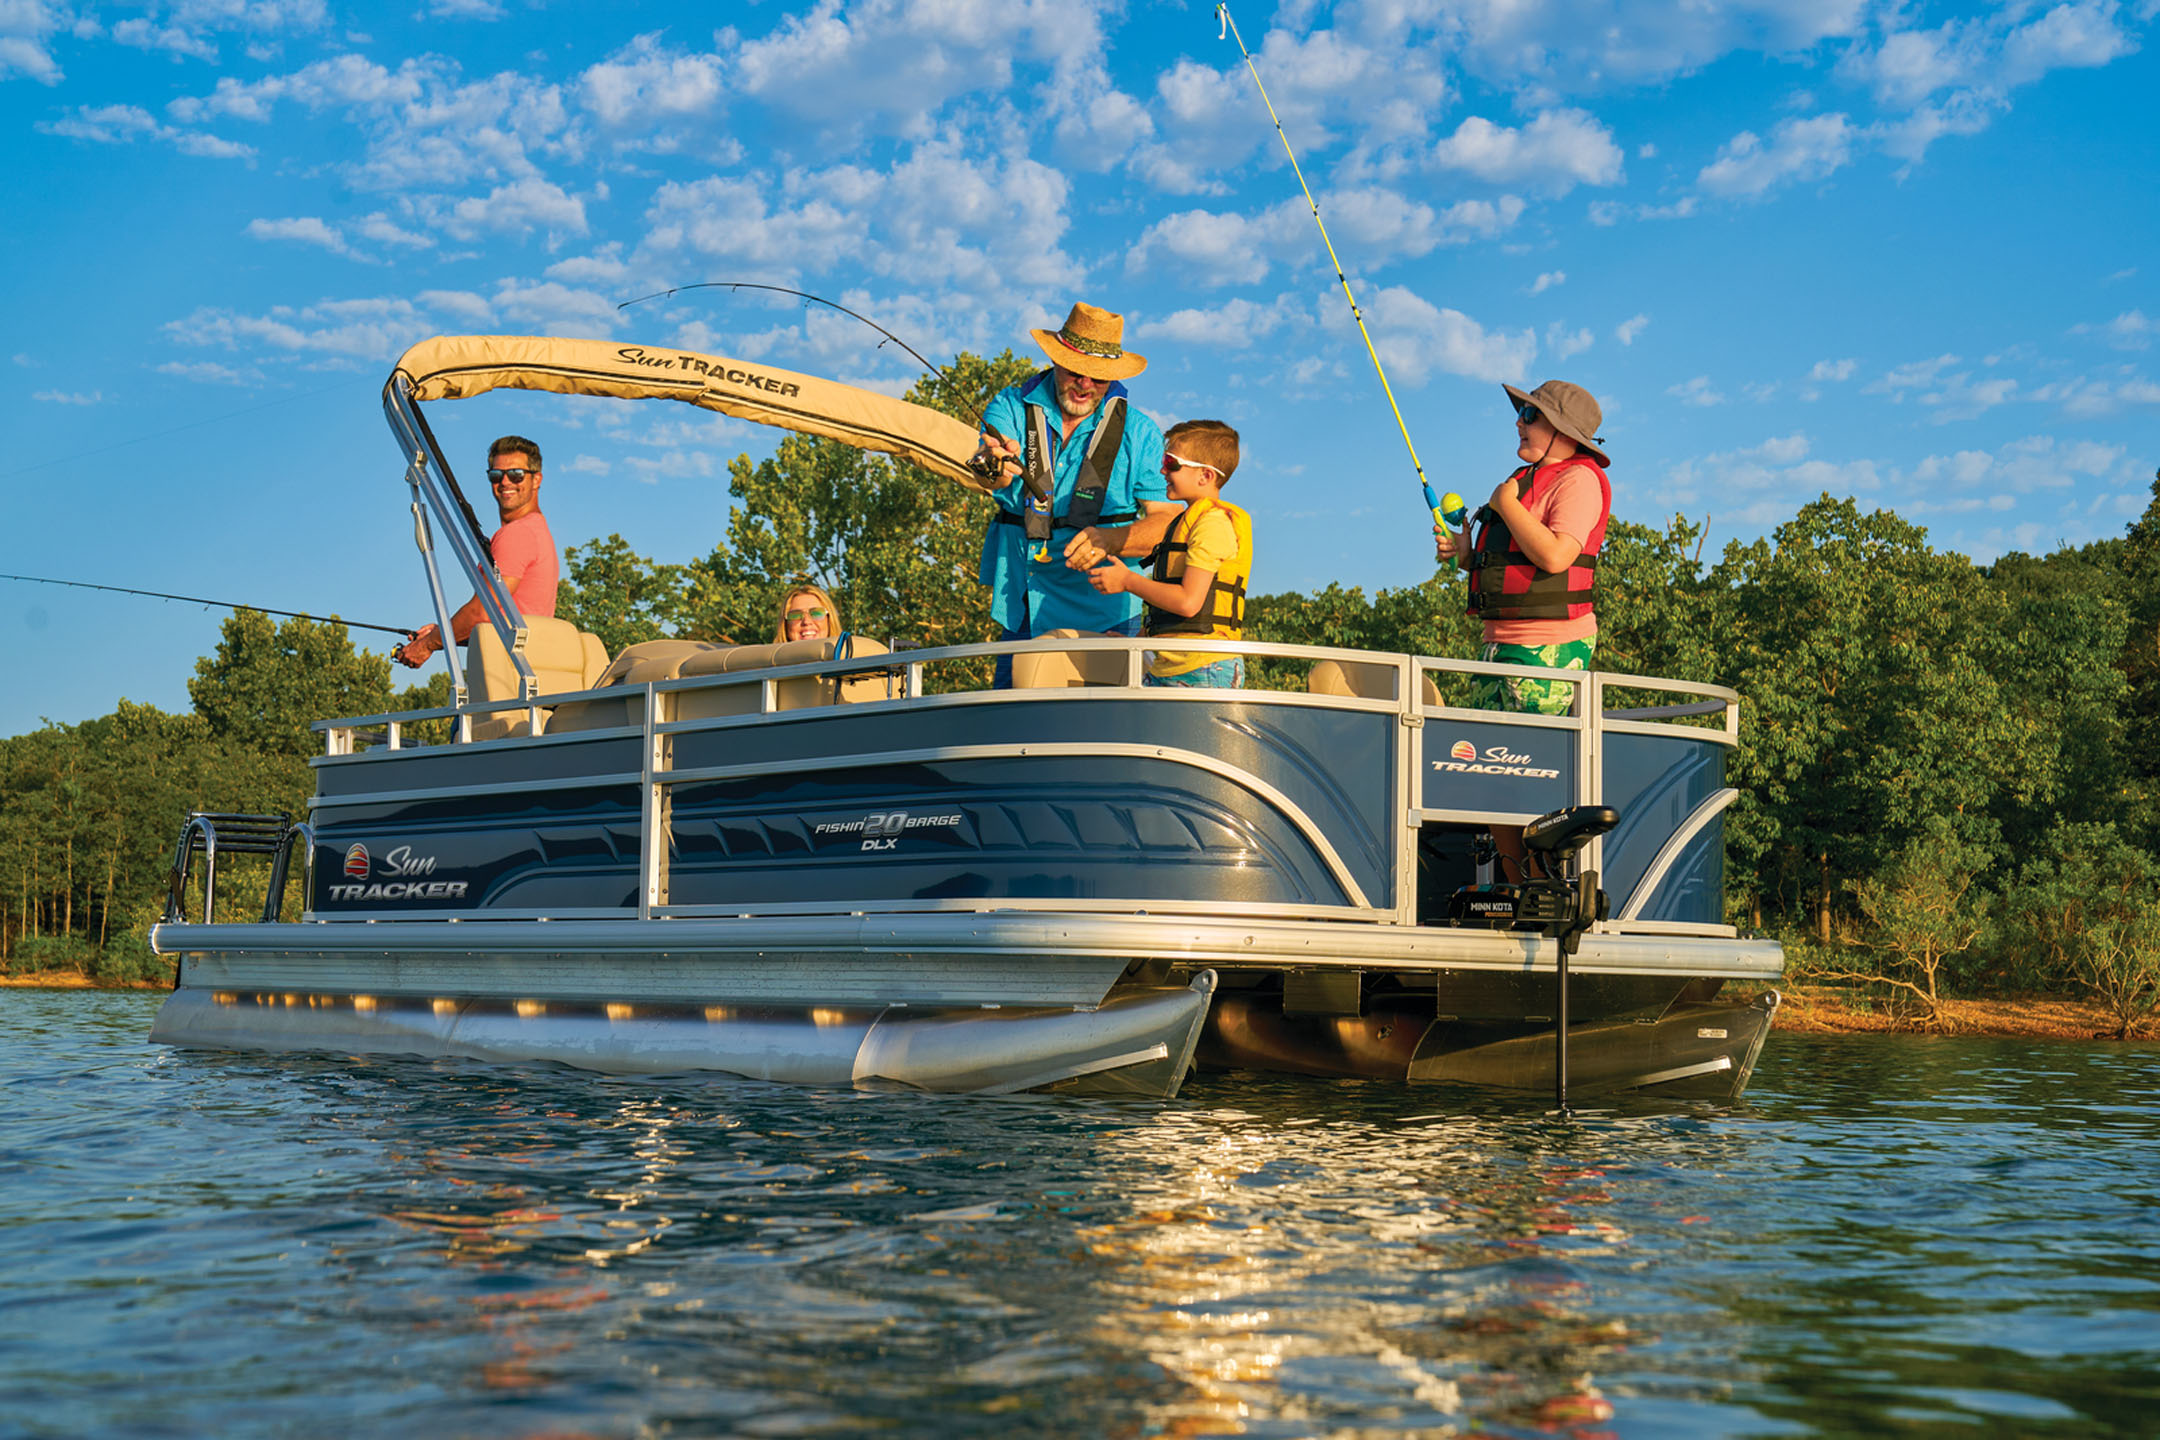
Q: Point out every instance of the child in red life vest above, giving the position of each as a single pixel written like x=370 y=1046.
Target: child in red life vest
x=1197 y=586
x=1533 y=554
x=1533 y=560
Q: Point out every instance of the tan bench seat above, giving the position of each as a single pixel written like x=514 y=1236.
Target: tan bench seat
x=563 y=659
x=799 y=692
x=655 y=660
x=637 y=666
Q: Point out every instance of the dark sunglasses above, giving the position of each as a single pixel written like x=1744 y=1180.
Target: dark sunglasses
x=515 y=477
x=1527 y=415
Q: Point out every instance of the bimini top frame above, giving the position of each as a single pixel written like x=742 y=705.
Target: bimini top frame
x=460 y=366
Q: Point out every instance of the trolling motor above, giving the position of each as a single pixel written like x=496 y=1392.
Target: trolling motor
x=1564 y=904
x=1561 y=903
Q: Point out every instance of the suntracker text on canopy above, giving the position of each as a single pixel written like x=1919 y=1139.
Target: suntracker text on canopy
x=456 y=367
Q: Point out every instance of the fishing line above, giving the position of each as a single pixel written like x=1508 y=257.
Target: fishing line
x=800 y=294
x=933 y=370
x=175 y=430
x=221 y=604
x=1230 y=30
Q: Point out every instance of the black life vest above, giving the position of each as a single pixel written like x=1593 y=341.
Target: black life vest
x=1039 y=477
x=1224 y=614
x=1505 y=585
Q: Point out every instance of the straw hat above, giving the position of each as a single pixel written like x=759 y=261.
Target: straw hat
x=1093 y=344
x=1569 y=410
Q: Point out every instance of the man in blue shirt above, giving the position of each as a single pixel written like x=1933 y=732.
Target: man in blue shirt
x=1084 y=471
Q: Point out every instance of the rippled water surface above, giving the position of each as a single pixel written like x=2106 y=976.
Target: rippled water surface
x=1939 y=1236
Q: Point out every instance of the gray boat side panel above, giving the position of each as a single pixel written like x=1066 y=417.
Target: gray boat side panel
x=1694 y=888
x=1656 y=782
x=1053 y=826
x=466 y=852
x=1497 y=765
x=1336 y=766
x=800 y=829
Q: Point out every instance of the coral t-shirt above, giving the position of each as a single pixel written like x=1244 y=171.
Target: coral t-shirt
x=1573 y=506
x=525 y=552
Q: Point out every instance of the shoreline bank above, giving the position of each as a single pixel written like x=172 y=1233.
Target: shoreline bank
x=1822 y=1010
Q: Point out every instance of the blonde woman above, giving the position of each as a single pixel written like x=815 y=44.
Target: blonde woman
x=807 y=613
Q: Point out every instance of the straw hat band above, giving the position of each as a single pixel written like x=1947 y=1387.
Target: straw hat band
x=1100 y=349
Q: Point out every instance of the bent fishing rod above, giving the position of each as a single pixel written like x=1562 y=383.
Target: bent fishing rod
x=934 y=371
x=220 y=604
x=1448 y=510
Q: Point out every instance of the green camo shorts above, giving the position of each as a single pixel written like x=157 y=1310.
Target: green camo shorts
x=1536 y=697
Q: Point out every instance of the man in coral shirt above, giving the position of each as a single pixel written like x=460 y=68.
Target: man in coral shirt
x=524 y=550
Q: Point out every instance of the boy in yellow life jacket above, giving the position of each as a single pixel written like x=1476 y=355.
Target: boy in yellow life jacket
x=1197 y=587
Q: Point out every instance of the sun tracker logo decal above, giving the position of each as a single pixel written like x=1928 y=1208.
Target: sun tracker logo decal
x=1461 y=750
x=356 y=863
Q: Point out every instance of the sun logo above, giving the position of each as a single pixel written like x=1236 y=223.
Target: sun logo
x=356 y=863
x=1460 y=750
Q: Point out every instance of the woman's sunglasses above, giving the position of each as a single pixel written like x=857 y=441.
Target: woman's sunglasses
x=805 y=615
x=1527 y=415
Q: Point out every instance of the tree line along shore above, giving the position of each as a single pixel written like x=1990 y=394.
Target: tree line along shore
x=1949 y=772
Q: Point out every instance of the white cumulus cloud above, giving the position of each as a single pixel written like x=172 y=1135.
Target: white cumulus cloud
x=1555 y=152
x=1797 y=151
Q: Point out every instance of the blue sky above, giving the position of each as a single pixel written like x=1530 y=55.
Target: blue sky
x=1899 y=251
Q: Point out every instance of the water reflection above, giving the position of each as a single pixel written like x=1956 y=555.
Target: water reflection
x=1889 y=1236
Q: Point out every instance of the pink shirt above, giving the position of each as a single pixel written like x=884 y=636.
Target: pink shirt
x=525 y=552
x=1571 y=507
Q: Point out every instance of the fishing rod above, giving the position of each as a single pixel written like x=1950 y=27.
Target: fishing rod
x=1448 y=510
x=934 y=371
x=800 y=294
x=221 y=604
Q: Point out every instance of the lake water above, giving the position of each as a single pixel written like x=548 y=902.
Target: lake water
x=1920 y=1236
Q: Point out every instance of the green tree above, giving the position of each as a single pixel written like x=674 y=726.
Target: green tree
x=268 y=683
x=619 y=595
x=1924 y=909
x=2140 y=664
x=1865 y=701
x=2087 y=911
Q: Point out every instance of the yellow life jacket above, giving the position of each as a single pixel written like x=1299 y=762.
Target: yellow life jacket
x=1224 y=614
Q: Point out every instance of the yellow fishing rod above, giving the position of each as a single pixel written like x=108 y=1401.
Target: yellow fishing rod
x=1449 y=509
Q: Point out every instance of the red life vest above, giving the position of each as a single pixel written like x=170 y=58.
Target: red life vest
x=1504 y=585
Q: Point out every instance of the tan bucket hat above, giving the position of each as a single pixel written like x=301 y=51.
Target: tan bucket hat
x=1571 y=411
x=1092 y=344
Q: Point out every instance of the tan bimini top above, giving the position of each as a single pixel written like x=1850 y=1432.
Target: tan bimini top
x=455 y=367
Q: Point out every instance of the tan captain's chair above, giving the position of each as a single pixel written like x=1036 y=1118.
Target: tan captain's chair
x=1067 y=669
x=563 y=658
x=1364 y=680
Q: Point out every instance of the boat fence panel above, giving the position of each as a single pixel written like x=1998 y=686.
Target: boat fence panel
x=1657 y=782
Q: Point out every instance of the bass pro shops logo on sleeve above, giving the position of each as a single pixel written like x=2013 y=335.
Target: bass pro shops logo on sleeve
x=1465 y=758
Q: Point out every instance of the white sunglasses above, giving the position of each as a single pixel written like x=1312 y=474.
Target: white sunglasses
x=1173 y=461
